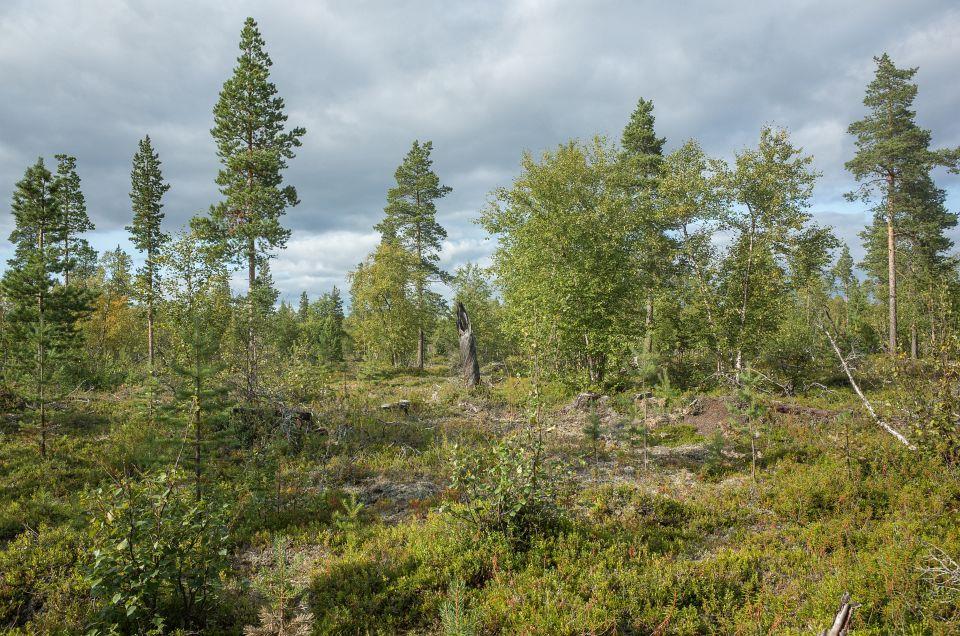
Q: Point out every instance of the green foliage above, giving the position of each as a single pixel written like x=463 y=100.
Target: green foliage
x=411 y=223
x=283 y=614
x=320 y=329
x=930 y=395
x=73 y=250
x=41 y=586
x=508 y=489
x=41 y=335
x=472 y=286
x=455 y=619
x=383 y=321
x=565 y=260
x=593 y=433
x=893 y=165
x=254 y=146
x=157 y=552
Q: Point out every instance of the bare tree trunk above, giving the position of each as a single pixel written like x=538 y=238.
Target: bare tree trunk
x=196 y=444
x=468 y=348
x=421 y=342
x=738 y=364
x=891 y=269
x=251 y=343
x=914 y=345
x=41 y=353
x=648 y=325
x=841 y=623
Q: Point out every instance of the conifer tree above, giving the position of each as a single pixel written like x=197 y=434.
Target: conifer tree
x=199 y=294
x=146 y=193
x=303 y=308
x=76 y=253
x=41 y=336
x=411 y=220
x=893 y=164
x=643 y=155
x=254 y=146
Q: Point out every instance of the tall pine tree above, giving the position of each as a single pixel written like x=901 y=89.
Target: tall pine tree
x=254 y=146
x=146 y=193
x=411 y=220
x=893 y=164
x=42 y=337
x=75 y=251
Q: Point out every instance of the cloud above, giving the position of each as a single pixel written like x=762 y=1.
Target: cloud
x=484 y=81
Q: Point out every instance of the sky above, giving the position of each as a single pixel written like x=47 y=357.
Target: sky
x=485 y=81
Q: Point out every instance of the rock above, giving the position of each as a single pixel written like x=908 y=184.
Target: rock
x=585 y=399
x=399 y=405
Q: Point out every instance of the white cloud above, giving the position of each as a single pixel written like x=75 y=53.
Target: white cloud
x=484 y=81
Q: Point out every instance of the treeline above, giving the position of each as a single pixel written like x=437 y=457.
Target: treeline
x=616 y=263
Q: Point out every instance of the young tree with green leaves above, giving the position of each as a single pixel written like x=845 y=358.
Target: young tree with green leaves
x=254 y=146
x=147 y=188
x=41 y=337
x=893 y=164
x=411 y=220
x=566 y=260
x=75 y=251
x=692 y=198
x=384 y=316
x=770 y=188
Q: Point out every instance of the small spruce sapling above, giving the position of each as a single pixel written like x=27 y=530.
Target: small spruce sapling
x=750 y=412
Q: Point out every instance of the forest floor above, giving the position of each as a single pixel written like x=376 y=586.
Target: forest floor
x=657 y=523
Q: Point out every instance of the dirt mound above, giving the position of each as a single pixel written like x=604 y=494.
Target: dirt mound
x=708 y=414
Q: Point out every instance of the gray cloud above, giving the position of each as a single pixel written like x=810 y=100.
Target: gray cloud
x=484 y=81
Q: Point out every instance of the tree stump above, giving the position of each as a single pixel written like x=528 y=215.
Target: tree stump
x=468 y=348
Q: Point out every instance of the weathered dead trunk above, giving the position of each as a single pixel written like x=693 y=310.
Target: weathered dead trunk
x=468 y=348
x=841 y=622
x=421 y=344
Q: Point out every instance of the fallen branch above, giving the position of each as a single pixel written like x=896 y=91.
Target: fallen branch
x=841 y=623
x=853 y=383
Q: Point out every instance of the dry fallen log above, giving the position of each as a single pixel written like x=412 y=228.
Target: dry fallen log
x=841 y=623
x=795 y=409
x=468 y=348
x=853 y=383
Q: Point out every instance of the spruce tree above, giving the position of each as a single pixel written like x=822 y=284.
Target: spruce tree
x=411 y=220
x=303 y=309
x=41 y=336
x=199 y=307
x=75 y=251
x=892 y=164
x=146 y=193
x=643 y=156
x=254 y=146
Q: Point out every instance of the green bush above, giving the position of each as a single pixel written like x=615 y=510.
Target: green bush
x=158 y=551
x=508 y=489
x=42 y=588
